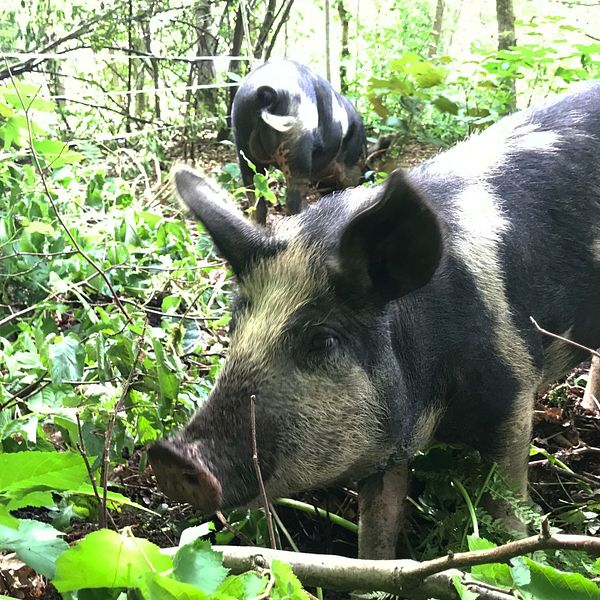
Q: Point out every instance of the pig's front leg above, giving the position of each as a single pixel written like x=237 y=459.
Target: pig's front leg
x=381 y=504
x=296 y=195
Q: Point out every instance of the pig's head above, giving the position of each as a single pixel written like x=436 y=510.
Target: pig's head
x=312 y=339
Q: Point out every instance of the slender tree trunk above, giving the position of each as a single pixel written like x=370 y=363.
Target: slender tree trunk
x=327 y=41
x=437 y=28
x=235 y=66
x=507 y=38
x=153 y=67
x=266 y=26
x=345 y=53
x=129 y=62
x=284 y=17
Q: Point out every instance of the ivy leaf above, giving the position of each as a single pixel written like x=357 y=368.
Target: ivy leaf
x=198 y=564
x=125 y=562
x=66 y=359
x=36 y=544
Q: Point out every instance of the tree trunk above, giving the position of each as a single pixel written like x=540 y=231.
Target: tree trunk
x=507 y=38
x=265 y=28
x=345 y=53
x=437 y=28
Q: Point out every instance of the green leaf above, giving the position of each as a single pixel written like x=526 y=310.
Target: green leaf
x=596 y=567
x=287 y=585
x=446 y=106
x=66 y=359
x=159 y=587
x=40 y=227
x=245 y=586
x=57 y=153
x=125 y=562
x=36 y=544
x=493 y=573
x=198 y=564
x=21 y=472
x=463 y=592
x=32 y=499
x=548 y=583
x=519 y=571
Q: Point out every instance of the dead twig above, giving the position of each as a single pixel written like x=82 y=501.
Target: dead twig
x=261 y=484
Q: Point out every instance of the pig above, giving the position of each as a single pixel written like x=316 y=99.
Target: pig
x=285 y=115
x=381 y=318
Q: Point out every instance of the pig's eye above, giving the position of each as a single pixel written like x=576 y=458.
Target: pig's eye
x=323 y=342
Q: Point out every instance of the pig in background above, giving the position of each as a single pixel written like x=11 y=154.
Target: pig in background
x=379 y=318
x=285 y=115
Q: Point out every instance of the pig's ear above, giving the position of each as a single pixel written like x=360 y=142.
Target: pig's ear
x=238 y=240
x=394 y=245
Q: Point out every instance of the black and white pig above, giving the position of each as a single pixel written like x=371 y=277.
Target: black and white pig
x=285 y=115
x=380 y=318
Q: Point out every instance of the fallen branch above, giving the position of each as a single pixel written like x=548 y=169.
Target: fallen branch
x=404 y=578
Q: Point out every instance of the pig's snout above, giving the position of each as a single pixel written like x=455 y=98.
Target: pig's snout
x=184 y=476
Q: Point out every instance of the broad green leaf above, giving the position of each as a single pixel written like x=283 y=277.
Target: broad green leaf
x=596 y=567
x=493 y=573
x=6 y=519
x=66 y=359
x=32 y=499
x=548 y=583
x=36 y=544
x=30 y=470
x=287 y=585
x=125 y=562
x=198 y=564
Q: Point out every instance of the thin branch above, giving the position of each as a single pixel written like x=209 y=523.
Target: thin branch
x=564 y=339
x=82 y=450
x=111 y=426
x=261 y=484
x=240 y=535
